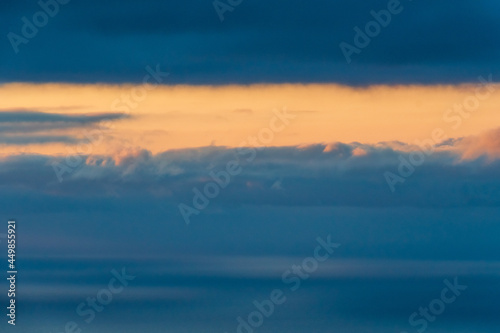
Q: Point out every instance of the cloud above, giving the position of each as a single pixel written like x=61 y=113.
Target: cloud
x=20 y=127
x=34 y=139
x=21 y=116
x=486 y=144
x=330 y=175
x=251 y=46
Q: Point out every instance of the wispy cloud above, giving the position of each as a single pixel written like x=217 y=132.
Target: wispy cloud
x=21 y=127
x=23 y=116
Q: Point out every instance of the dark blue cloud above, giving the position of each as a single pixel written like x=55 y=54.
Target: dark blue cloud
x=259 y=41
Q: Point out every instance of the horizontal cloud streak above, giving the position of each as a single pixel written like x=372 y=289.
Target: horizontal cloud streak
x=20 y=127
x=22 y=116
x=34 y=139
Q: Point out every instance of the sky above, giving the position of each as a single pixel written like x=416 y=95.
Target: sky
x=207 y=147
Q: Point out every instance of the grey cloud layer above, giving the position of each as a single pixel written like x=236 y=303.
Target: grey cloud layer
x=20 y=116
x=33 y=127
x=315 y=175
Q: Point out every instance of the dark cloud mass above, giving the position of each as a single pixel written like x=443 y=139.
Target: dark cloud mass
x=333 y=175
x=259 y=41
